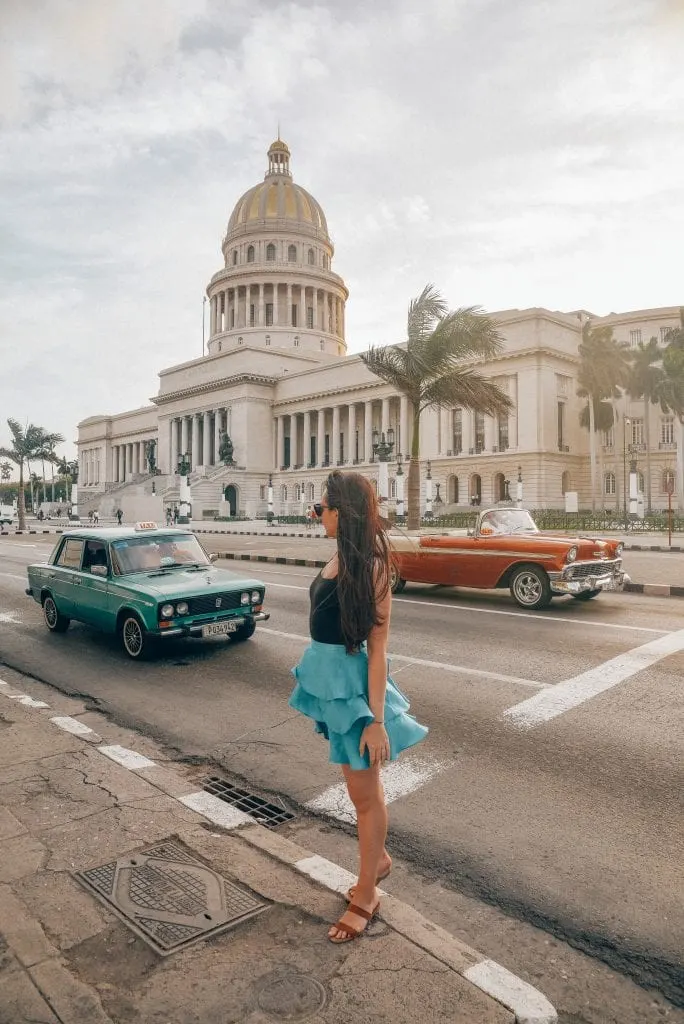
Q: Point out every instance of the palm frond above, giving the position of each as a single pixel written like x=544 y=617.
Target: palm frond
x=423 y=313
x=390 y=363
x=467 y=389
x=465 y=334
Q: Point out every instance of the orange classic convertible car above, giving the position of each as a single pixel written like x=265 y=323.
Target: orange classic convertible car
x=507 y=550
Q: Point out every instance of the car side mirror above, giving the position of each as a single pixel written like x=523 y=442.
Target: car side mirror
x=98 y=570
x=213 y=557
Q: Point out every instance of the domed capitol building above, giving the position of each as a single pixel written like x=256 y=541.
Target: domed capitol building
x=276 y=395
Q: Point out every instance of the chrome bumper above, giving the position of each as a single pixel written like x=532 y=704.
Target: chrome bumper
x=197 y=630
x=612 y=581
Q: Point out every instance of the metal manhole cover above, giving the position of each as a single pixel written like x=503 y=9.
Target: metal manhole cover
x=258 y=808
x=168 y=898
x=292 y=997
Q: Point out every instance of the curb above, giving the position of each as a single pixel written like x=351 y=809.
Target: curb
x=527 y=1003
x=645 y=589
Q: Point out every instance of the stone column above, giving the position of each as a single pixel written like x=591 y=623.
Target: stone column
x=403 y=445
x=184 y=435
x=173 y=428
x=490 y=438
x=385 y=421
x=280 y=442
x=351 y=443
x=368 y=430
x=467 y=432
x=288 y=319
x=261 y=319
x=121 y=457
x=335 y=435
x=275 y=306
x=307 y=438
x=446 y=433
x=302 y=312
x=217 y=435
x=293 y=439
x=114 y=466
x=195 y=442
x=206 y=439
x=334 y=314
x=320 y=440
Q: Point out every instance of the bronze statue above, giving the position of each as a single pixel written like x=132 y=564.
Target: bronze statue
x=226 y=449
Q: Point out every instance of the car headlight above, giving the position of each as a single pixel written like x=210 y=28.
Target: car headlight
x=571 y=555
x=620 y=548
x=256 y=597
x=244 y=598
x=182 y=608
x=166 y=611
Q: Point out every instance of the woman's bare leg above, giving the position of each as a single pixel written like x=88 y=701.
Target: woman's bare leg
x=366 y=793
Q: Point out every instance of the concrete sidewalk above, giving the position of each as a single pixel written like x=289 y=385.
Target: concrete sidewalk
x=79 y=794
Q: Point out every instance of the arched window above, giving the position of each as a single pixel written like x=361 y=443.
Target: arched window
x=239 y=341
x=452 y=490
x=642 y=483
x=220 y=345
x=310 y=492
x=292 y=254
x=311 y=257
x=296 y=341
x=283 y=492
x=234 y=256
x=297 y=493
x=609 y=483
x=668 y=481
x=499 y=487
x=271 y=252
x=268 y=339
x=322 y=345
x=250 y=254
x=326 y=261
x=566 y=482
x=475 y=491
x=393 y=488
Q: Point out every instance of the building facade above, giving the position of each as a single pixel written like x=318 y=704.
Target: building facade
x=277 y=382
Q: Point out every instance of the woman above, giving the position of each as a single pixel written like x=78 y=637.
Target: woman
x=342 y=681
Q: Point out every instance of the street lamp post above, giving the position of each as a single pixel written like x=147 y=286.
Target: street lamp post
x=401 y=480
x=383 y=447
x=269 y=514
x=428 y=491
x=185 y=502
x=519 y=489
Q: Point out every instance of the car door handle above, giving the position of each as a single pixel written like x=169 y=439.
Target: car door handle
x=77 y=583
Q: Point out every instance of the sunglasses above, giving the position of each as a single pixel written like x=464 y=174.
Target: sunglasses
x=320 y=509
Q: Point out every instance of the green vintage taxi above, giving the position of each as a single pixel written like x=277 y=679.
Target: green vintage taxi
x=145 y=584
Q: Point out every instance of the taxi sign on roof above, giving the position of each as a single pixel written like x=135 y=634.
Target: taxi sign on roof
x=146 y=526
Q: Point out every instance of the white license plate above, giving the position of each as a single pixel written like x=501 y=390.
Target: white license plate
x=221 y=628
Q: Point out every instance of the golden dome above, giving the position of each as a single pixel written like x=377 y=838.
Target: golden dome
x=277 y=198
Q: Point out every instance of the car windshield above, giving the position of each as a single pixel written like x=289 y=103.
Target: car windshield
x=507 y=520
x=147 y=554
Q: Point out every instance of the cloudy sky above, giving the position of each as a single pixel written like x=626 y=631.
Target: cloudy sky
x=514 y=152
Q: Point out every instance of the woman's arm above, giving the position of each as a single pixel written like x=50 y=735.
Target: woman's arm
x=374 y=737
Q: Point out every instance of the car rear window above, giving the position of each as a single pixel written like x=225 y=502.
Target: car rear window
x=71 y=554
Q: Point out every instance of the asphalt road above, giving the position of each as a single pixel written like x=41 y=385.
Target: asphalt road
x=572 y=823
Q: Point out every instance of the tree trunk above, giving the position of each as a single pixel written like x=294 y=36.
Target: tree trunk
x=602 y=476
x=647 y=424
x=42 y=461
x=679 y=475
x=414 y=475
x=52 y=470
x=21 y=504
x=592 y=451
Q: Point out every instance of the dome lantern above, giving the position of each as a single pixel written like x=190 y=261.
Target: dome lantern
x=278 y=158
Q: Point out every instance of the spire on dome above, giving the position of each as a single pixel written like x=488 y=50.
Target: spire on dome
x=278 y=157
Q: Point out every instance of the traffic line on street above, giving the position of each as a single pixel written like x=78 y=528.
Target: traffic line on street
x=76 y=728
x=399 y=779
x=28 y=702
x=216 y=810
x=425 y=663
x=572 y=692
x=125 y=757
x=528 y=1004
x=9 y=617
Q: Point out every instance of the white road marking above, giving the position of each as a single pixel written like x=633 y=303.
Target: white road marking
x=528 y=1004
x=573 y=692
x=3 y=683
x=12 y=576
x=126 y=758
x=398 y=779
x=29 y=702
x=215 y=810
x=76 y=728
x=441 y=665
x=8 y=617
x=331 y=875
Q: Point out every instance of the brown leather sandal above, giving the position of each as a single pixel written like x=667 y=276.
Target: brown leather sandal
x=349 y=895
x=350 y=931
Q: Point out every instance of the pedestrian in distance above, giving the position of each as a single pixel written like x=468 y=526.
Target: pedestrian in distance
x=90 y=516
x=96 y=517
x=342 y=680
x=119 y=516
x=169 y=515
x=175 y=514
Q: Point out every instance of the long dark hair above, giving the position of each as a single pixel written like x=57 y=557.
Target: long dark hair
x=363 y=554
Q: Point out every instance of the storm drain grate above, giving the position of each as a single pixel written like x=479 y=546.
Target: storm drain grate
x=169 y=899
x=258 y=808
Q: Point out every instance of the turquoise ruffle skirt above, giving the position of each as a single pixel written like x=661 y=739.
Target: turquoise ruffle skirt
x=332 y=688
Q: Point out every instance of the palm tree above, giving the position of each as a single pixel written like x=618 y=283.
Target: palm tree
x=47 y=453
x=604 y=420
x=25 y=443
x=69 y=471
x=432 y=369
x=603 y=371
x=673 y=365
x=5 y=471
x=648 y=381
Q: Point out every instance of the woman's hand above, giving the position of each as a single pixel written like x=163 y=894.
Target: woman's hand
x=375 y=739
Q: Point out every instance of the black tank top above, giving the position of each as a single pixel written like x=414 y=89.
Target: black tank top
x=324 y=617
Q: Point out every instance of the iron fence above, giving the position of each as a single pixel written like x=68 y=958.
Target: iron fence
x=585 y=521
